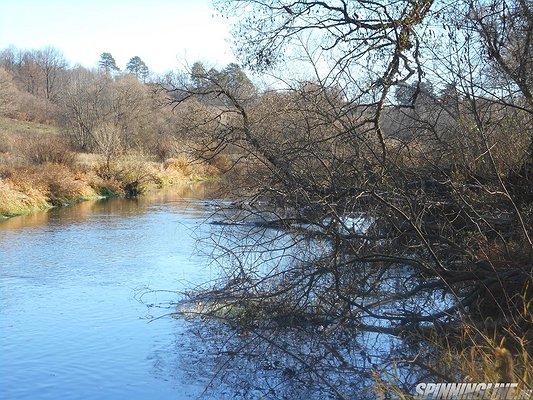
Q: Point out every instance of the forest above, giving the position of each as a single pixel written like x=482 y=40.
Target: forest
x=69 y=133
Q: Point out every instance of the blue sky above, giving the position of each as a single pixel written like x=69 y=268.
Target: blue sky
x=164 y=33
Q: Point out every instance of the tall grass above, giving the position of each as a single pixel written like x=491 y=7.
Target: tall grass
x=37 y=187
x=15 y=200
x=474 y=355
x=39 y=169
x=28 y=186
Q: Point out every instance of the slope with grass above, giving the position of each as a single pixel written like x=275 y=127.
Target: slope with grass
x=39 y=170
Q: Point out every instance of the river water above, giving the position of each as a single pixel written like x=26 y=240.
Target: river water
x=71 y=323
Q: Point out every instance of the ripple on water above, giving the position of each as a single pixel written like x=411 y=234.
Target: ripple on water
x=71 y=327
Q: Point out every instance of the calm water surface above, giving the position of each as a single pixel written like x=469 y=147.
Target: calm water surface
x=71 y=326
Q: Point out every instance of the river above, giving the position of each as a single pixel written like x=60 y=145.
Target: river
x=85 y=297
x=71 y=323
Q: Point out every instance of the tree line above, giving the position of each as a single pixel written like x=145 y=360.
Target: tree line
x=101 y=110
x=99 y=131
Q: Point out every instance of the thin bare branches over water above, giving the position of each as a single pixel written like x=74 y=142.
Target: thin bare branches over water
x=383 y=184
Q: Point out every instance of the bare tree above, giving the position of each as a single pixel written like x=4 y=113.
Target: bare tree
x=361 y=214
x=51 y=64
x=7 y=92
x=83 y=104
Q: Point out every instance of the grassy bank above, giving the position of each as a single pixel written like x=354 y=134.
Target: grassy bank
x=39 y=171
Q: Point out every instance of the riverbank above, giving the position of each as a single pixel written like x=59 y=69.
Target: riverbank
x=29 y=188
x=40 y=170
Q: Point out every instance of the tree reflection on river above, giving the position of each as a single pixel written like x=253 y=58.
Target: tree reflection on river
x=298 y=362
x=73 y=328
x=274 y=352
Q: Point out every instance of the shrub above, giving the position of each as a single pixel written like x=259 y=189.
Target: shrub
x=166 y=148
x=14 y=201
x=5 y=143
x=7 y=92
x=179 y=164
x=221 y=162
x=45 y=149
x=61 y=184
x=195 y=170
x=32 y=108
x=133 y=174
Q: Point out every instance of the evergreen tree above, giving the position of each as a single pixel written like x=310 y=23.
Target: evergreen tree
x=237 y=81
x=137 y=67
x=107 y=63
x=198 y=74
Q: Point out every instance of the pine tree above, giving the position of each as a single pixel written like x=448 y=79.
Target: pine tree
x=107 y=63
x=137 y=67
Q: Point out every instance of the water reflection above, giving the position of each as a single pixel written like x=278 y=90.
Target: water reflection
x=177 y=198
x=71 y=325
x=276 y=327
x=284 y=363
x=29 y=220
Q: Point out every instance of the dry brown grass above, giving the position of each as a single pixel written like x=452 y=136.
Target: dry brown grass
x=30 y=181
x=472 y=356
x=14 y=200
x=18 y=127
x=5 y=143
x=173 y=171
x=25 y=143
x=62 y=184
x=34 y=188
x=181 y=167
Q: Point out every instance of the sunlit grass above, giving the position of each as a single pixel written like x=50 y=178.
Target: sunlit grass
x=14 y=201
x=13 y=126
x=26 y=188
x=39 y=170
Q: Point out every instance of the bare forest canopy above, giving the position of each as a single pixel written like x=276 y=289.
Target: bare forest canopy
x=102 y=110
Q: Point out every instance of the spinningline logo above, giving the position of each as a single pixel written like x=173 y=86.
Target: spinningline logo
x=464 y=391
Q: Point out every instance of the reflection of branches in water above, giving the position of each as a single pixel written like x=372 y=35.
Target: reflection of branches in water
x=183 y=361
x=279 y=324
x=302 y=312
x=295 y=273
x=290 y=362
x=271 y=358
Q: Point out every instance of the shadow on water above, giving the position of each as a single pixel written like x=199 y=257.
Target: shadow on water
x=72 y=324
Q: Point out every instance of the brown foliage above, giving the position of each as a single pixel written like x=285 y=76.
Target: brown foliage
x=44 y=149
